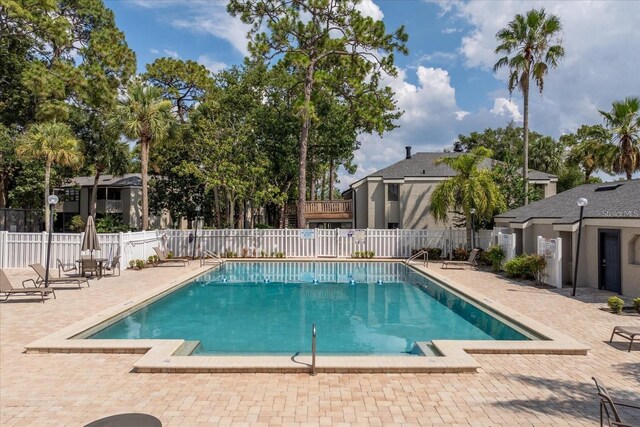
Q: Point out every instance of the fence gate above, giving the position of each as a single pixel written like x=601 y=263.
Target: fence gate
x=551 y=249
x=326 y=242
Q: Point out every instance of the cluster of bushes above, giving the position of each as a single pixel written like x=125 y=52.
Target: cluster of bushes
x=616 y=304
x=434 y=253
x=137 y=264
x=363 y=254
x=494 y=256
x=526 y=266
x=264 y=254
x=460 y=254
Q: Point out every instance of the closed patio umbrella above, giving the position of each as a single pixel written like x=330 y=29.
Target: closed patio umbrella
x=90 y=242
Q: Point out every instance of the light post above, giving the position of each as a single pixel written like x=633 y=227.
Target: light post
x=195 y=234
x=473 y=228
x=582 y=202
x=52 y=200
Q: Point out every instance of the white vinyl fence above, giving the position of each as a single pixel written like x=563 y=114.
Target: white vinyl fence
x=18 y=250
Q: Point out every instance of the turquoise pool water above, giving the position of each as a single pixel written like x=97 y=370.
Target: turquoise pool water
x=269 y=307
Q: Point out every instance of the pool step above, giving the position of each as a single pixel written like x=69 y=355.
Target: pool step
x=187 y=348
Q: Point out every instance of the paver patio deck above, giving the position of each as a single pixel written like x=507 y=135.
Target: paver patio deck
x=74 y=389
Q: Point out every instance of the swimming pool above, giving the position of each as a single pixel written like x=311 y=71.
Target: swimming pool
x=269 y=307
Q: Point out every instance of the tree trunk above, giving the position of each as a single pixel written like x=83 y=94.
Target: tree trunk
x=304 y=136
x=47 y=179
x=525 y=166
x=231 y=210
x=283 y=216
x=4 y=191
x=331 y=172
x=312 y=186
x=216 y=203
x=627 y=155
x=144 y=163
x=323 y=193
x=94 y=194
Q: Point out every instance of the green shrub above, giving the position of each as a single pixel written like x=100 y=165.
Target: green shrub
x=526 y=266
x=263 y=254
x=132 y=263
x=77 y=224
x=460 y=254
x=636 y=304
x=495 y=255
x=434 y=253
x=615 y=304
x=153 y=259
x=139 y=264
x=370 y=254
x=169 y=255
x=111 y=224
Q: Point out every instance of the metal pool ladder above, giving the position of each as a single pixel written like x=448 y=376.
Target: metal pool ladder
x=422 y=253
x=208 y=254
x=313 y=350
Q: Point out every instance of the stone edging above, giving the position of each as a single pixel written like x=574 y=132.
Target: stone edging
x=158 y=355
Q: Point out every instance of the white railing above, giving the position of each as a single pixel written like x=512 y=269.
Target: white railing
x=18 y=250
x=109 y=206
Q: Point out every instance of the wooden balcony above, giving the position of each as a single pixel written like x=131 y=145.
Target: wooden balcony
x=328 y=209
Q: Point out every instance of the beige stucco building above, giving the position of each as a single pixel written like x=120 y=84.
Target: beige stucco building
x=610 y=242
x=120 y=196
x=398 y=196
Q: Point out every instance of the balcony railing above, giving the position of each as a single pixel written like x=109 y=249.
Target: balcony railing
x=327 y=209
x=109 y=206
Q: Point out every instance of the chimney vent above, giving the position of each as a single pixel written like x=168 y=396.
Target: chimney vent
x=408 y=149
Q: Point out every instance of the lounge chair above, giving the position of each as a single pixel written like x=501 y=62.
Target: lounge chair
x=8 y=290
x=471 y=261
x=41 y=271
x=162 y=259
x=115 y=263
x=608 y=406
x=64 y=268
x=626 y=332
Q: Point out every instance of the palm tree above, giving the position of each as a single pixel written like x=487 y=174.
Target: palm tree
x=54 y=143
x=471 y=188
x=624 y=123
x=529 y=40
x=590 y=149
x=143 y=115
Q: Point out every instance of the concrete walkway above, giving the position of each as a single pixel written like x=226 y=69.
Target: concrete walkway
x=74 y=389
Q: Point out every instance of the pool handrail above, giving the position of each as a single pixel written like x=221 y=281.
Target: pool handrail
x=208 y=254
x=421 y=252
x=313 y=350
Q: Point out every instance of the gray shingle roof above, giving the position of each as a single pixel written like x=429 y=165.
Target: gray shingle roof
x=420 y=162
x=620 y=202
x=126 y=180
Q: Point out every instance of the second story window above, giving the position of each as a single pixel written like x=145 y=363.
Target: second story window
x=71 y=195
x=393 y=191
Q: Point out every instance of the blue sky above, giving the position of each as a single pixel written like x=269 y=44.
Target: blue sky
x=445 y=85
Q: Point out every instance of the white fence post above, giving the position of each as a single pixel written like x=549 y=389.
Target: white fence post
x=4 y=247
x=43 y=248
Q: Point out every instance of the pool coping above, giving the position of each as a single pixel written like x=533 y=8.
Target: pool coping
x=159 y=355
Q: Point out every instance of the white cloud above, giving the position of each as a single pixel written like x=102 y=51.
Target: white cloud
x=432 y=121
x=451 y=30
x=505 y=107
x=171 y=53
x=438 y=57
x=154 y=51
x=203 y=16
x=369 y=8
x=211 y=64
x=600 y=64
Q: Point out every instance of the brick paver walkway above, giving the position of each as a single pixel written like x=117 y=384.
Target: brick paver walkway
x=74 y=389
